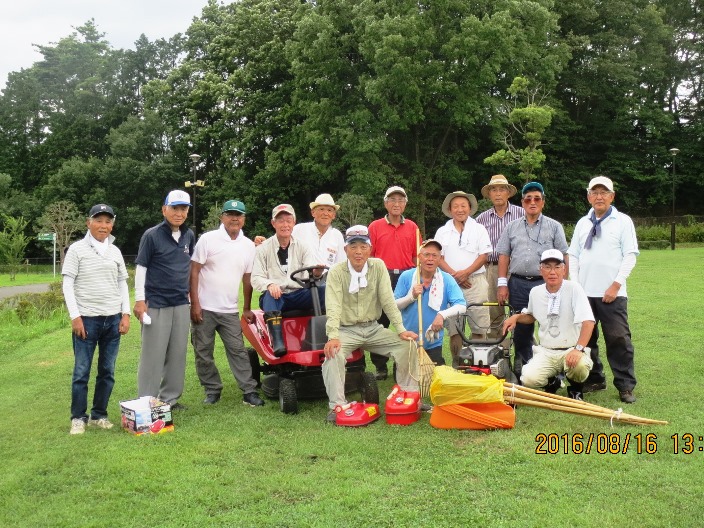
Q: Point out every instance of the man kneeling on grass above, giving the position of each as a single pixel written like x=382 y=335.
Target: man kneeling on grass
x=562 y=310
x=358 y=289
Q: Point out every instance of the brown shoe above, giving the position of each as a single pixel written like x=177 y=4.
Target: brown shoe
x=627 y=396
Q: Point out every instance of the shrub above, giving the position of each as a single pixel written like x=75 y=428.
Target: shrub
x=654 y=244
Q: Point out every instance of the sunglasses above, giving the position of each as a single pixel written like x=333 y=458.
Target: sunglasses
x=529 y=199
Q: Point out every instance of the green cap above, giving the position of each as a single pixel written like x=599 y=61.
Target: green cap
x=234 y=205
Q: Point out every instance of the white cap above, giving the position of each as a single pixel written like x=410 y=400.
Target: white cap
x=178 y=198
x=394 y=190
x=357 y=232
x=552 y=254
x=601 y=180
x=282 y=208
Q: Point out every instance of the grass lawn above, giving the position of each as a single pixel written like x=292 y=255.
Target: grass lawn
x=231 y=465
x=22 y=279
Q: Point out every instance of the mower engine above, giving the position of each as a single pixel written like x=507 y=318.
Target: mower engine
x=484 y=359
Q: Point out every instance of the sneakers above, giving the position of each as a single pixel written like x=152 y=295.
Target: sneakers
x=178 y=407
x=78 y=426
x=252 y=399
x=381 y=375
x=101 y=423
x=554 y=384
x=627 y=396
x=575 y=395
x=331 y=418
x=426 y=407
x=211 y=399
x=593 y=387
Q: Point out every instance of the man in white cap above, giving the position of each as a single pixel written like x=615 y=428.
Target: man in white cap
x=356 y=293
x=393 y=240
x=495 y=219
x=162 y=301
x=603 y=253
x=439 y=295
x=274 y=261
x=466 y=246
x=319 y=234
x=565 y=320
x=223 y=258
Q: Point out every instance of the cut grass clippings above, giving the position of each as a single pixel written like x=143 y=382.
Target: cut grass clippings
x=231 y=465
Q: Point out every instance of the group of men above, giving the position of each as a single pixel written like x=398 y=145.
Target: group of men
x=375 y=277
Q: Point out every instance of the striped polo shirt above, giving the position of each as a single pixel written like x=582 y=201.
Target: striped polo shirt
x=495 y=225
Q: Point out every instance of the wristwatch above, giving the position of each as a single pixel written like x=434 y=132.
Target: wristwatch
x=579 y=348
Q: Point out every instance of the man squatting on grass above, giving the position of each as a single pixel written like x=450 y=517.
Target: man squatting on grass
x=356 y=293
x=221 y=260
x=98 y=302
x=161 y=295
x=565 y=325
x=439 y=294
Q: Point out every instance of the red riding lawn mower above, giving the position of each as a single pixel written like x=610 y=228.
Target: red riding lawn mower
x=297 y=375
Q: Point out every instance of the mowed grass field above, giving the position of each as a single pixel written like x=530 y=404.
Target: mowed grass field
x=231 y=465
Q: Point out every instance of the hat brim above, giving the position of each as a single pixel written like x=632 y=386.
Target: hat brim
x=512 y=190
x=364 y=239
x=473 y=205
x=179 y=203
x=313 y=205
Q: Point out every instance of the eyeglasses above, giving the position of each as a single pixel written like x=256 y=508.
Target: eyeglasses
x=600 y=194
x=232 y=213
x=529 y=199
x=548 y=267
x=396 y=200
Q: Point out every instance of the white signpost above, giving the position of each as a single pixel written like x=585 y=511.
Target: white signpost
x=49 y=237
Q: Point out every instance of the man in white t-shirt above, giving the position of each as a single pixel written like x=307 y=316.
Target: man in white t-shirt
x=222 y=259
x=327 y=241
x=465 y=248
x=562 y=310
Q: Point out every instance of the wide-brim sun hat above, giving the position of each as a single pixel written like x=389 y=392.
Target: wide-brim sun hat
x=473 y=206
x=496 y=180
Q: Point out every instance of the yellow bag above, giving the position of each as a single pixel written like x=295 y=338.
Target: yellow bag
x=449 y=386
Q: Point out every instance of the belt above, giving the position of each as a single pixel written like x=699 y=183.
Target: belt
x=396 y=271
x=530 y=278
x=492 y=263
x=362 y=323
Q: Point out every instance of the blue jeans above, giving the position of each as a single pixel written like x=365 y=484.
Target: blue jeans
x=103 y=332
x=299 y=299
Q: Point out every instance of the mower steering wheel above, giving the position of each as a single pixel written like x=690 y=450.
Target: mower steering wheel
x=307 y=283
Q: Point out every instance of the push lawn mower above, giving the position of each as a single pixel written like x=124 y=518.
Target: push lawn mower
x=487 y=356
x=297 y=374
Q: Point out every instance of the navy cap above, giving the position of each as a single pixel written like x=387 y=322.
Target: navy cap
x=101 y=209
x=532 y=186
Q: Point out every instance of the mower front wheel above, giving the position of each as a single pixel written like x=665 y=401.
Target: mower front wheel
x=368 y=388
x=288 y=399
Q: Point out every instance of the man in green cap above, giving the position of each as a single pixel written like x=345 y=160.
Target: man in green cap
x=221 y=260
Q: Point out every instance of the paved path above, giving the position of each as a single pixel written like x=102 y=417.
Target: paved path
x=9 y=291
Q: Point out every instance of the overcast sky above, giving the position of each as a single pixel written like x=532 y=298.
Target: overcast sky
x=27 y=22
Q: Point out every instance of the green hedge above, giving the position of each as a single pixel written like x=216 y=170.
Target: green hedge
x=692 y=233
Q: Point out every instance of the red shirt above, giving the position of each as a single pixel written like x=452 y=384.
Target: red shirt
x=395 y=245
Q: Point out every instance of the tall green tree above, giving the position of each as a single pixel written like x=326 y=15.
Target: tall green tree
x=13 y=243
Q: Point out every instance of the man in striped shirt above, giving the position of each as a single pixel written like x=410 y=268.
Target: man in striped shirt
x=498 y=190
x=98 y=302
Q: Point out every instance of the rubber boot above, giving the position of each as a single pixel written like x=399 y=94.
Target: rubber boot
x=273 y=324
x=455 y=347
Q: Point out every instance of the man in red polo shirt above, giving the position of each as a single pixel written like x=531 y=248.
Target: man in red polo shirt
x=393 y=240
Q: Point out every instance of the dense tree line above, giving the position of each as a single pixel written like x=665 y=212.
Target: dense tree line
x=284 y=99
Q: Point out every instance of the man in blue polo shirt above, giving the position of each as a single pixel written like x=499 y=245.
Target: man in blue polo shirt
x=440 y=295
x=161 y=301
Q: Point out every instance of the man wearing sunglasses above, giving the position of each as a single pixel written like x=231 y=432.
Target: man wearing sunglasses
x=520 y=247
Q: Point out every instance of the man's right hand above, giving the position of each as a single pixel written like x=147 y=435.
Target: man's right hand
x=140 y=308
x=274 y=290
x=77 y=327
x=502 y=294
x=331 y=348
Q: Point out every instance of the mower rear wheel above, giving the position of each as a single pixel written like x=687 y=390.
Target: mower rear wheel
x=288 y=399
x=368 y=388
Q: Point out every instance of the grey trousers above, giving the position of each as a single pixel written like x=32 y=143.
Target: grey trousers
x=374 y=338
x=162 y=364
x=227 y=325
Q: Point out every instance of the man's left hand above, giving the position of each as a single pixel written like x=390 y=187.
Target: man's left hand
x=331 y=348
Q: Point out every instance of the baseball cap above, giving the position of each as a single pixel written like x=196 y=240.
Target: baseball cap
x=552 y=254
x=234 y=205
x=283 y=208
x=429 y=242
x=357 y=232
x=324 y=199
x=101 y=209
x=532 y=186
x=601 y=180
x=177 y=198
x=395 y=190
